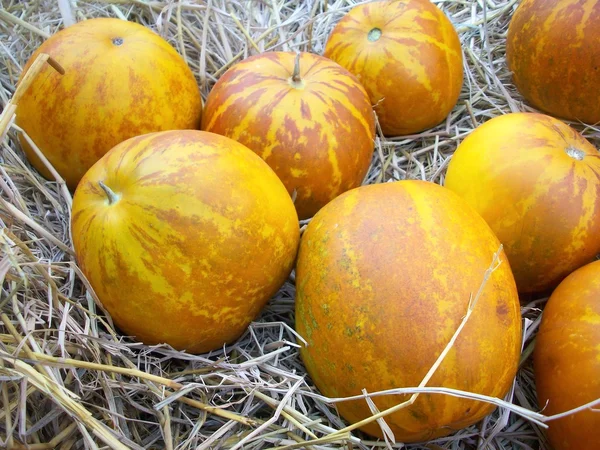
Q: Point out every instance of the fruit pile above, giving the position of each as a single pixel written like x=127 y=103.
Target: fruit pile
x=188 y=215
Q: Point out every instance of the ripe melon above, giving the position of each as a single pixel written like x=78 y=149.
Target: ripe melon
x=385 y=274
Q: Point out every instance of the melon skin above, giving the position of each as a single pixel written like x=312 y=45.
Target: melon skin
x=120 y=80
x=408 y=56
x=553 y=51
x=316 y=133
x=384 y=277
x=536 y=181
x=567 y=359
x=201 y=235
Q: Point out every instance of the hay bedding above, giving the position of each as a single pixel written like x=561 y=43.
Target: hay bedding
x=68 y=380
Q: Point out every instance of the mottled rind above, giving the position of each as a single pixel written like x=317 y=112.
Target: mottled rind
x=317 y=135
x=413 y=72
x=384 y=277
x=202 y=235
x=567 y=359
x=553 y=51
x=519 y=173
x=108 y=93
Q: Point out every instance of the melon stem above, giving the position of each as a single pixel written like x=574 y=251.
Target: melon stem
x=575 y=153
x=374 y=34
x=296 y=75
x=112 y=197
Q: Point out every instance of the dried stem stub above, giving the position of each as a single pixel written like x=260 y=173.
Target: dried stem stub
x=296 y=80
x=110 y=194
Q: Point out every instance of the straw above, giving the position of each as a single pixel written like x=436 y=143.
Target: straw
x=69 y=379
